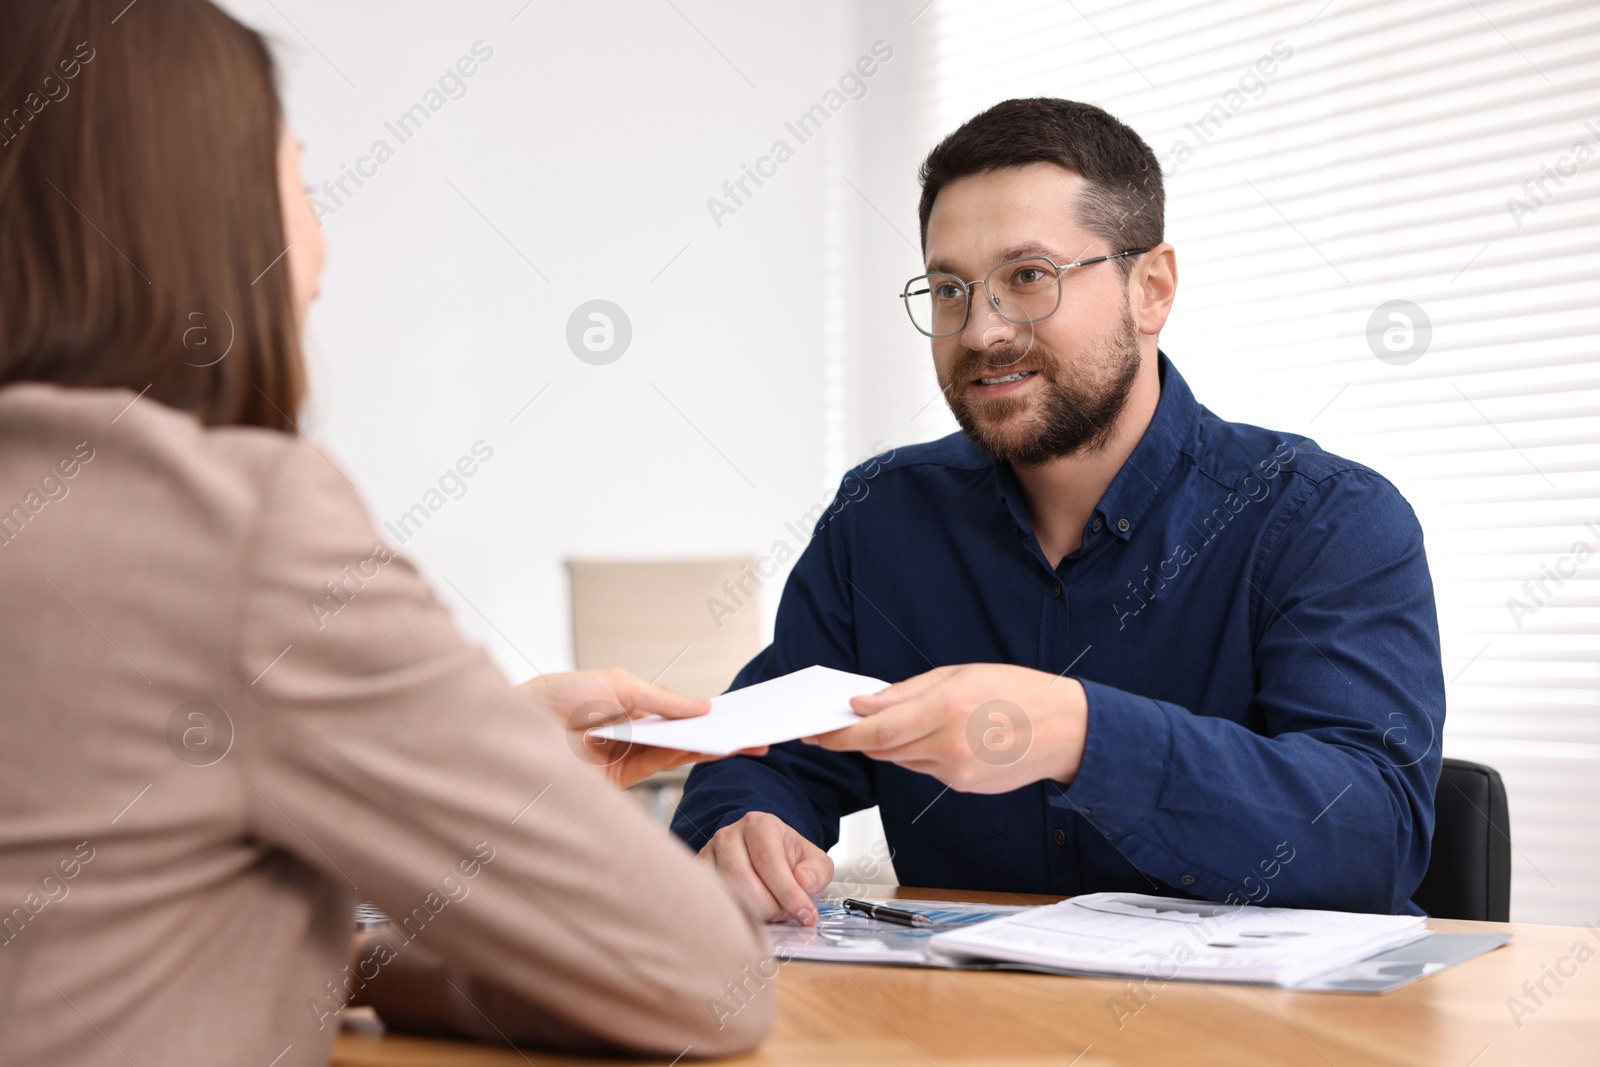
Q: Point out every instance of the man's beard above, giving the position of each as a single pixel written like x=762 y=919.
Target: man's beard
x=1075 y=417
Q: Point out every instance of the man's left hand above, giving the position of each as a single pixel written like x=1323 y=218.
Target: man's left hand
x=978 y=728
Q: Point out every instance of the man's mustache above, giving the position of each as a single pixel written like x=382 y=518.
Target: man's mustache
x=993 y=362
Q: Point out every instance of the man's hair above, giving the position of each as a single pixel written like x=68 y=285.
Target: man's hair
x=139 y=196
x=1123 y=202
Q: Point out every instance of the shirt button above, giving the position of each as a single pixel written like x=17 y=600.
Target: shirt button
x=1055 y=590
x=1061 y=837
x=1187 y=879
x=1098 y=523
x=1122 y=525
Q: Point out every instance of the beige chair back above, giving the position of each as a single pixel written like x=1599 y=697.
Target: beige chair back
x=670 y=621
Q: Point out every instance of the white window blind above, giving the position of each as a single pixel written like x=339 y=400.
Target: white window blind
x=1323 y=160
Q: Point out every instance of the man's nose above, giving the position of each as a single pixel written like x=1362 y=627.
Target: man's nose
x=985 y=327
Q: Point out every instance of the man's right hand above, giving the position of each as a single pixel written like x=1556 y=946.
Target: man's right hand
x=772 y=869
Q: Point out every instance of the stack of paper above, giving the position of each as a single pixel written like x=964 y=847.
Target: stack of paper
x=1169 y=938
x=813 y=701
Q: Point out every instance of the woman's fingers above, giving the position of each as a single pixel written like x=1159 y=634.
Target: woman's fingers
x=640 y=698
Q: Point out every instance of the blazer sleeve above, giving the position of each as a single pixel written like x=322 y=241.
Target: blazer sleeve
x=394 y=759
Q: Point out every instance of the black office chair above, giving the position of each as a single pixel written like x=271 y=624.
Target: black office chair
x=1469 y=873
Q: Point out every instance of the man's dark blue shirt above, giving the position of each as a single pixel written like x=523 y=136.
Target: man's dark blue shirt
x=1251 y=617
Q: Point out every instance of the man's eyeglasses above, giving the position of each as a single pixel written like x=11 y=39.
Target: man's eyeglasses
x=1020 y=290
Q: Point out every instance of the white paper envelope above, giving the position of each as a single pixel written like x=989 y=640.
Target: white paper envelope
x=811 y=701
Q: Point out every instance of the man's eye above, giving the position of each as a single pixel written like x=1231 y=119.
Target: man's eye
x=1028 y=276
x=947 y=292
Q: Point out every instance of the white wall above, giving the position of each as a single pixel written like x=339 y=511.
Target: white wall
x=590 y=142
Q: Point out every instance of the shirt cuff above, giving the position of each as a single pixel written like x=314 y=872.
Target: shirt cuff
x=1126 y=754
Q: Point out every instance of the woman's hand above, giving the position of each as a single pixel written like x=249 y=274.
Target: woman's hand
x=586 y=700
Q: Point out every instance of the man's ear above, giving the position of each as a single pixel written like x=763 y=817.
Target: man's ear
x=1152 y=287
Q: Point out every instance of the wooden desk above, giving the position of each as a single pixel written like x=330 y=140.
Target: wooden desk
x=840 y=1015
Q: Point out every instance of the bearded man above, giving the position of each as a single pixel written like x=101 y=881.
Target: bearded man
x=1134 y=646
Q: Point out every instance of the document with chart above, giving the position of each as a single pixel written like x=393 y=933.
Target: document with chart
x=1145 y=937
x=1170 y=938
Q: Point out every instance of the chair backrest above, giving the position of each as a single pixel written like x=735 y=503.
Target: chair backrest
x=689 y=624
x=1469 y=873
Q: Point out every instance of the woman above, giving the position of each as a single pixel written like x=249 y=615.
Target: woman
x=205 y=764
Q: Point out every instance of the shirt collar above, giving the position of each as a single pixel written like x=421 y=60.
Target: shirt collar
x=1131 y=492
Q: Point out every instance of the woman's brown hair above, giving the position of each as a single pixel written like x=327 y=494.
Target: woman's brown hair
x=142 y=228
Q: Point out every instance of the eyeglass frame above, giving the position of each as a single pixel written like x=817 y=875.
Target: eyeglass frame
x=966 y=287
